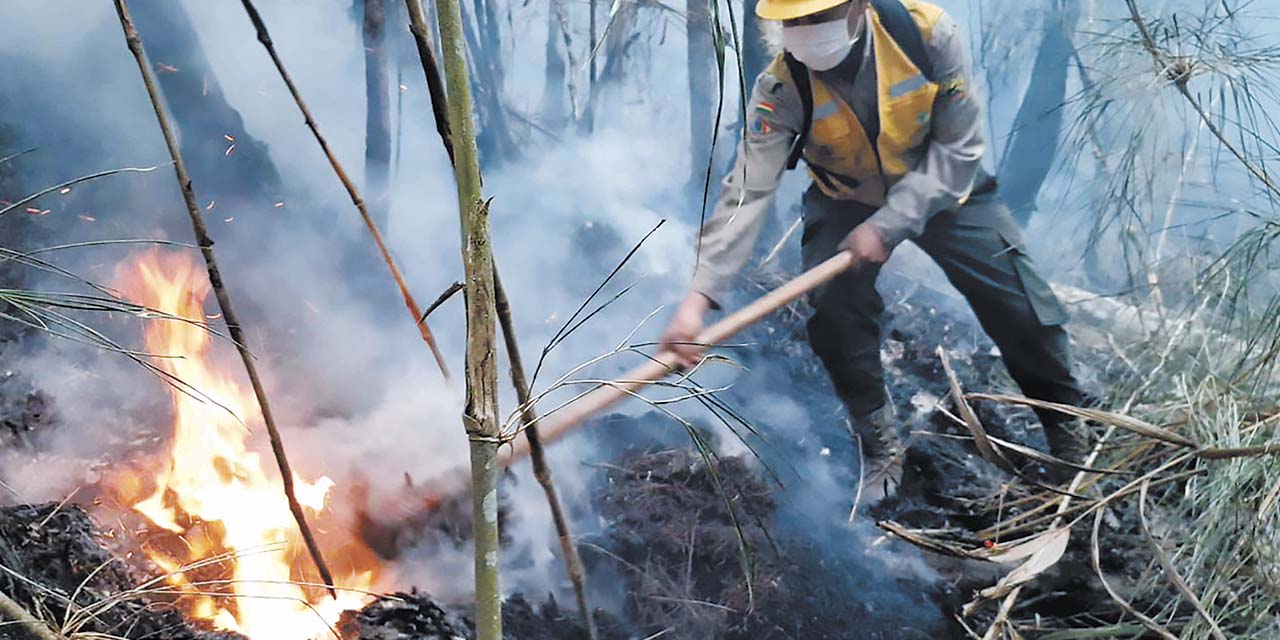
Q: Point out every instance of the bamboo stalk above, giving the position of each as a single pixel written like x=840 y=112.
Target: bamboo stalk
x=480 y=415
x=415 y=312
x=537 y=456
x=234 y=327
x=541 y=470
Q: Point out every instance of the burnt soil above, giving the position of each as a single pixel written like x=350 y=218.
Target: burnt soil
x=66 y=554
x=670 y=559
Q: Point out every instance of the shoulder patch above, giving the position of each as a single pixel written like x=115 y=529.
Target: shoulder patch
x=955 y=87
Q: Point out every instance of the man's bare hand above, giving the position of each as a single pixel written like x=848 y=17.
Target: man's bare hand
x=684 y=329
x=866 y=244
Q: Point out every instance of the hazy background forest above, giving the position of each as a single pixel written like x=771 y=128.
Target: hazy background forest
x=1139 y=160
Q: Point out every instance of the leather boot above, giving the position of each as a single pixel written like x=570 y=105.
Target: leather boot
x=883 y=454
x=1068 y=440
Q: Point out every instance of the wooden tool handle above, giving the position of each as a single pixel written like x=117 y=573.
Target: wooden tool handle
x=570 y=417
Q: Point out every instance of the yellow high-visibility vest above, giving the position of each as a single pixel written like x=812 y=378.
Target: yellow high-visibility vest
x=841 y=157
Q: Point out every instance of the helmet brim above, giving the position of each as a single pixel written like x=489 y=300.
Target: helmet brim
x=792 y=9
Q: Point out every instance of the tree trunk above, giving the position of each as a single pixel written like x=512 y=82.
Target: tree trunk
x=480 y=413
x=377 y=132
x=702 y=92
x=234 y=170
x=587 y=123
x=494 y=139
x=1037 y=129
x=553 y=88
x=755 y=51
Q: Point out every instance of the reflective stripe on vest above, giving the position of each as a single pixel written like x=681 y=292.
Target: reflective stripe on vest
x=842 y=159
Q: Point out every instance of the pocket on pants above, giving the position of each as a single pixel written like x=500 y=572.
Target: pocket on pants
x=1048 y=309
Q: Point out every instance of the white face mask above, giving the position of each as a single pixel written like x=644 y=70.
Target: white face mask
x=820 y=46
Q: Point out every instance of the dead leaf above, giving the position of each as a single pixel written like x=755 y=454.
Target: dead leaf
x=1044 y=552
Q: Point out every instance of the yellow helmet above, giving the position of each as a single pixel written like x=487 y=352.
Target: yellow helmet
x=791 y=9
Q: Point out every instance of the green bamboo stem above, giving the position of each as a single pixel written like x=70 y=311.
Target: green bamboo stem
x=541 y=470
x=234 y=327
x=480 y=413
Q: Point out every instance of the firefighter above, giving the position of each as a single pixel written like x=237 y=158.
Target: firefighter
x=876 y=97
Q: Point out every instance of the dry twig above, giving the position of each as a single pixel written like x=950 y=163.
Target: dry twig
x=234 y=327
x=415 y=312
x=538 y=458
x=38 y=629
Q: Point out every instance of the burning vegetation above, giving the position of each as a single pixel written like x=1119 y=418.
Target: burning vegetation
x=217 y=522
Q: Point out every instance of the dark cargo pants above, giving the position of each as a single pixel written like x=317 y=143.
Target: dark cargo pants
x=980 y=248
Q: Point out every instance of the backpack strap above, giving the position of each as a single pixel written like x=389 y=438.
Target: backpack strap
x=904 y=29
x=800 y=76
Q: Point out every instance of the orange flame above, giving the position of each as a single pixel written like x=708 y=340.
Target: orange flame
x=214 y=491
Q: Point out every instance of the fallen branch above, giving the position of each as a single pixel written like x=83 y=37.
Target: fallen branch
x=1128 y=423
x=234 y=327
x=414 y=311
x=980 y=438
x=1240 y=452
x=29 y=623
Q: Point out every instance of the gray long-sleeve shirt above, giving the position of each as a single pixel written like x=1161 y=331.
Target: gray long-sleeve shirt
x=942 y=169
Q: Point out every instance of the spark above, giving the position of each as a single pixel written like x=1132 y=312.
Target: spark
x=229 y=150
x=312 y=307
x=228 y=220
x=167 y=67
x=228 y=137
x=204 y=85
x=39 y=212
x=213 y=317
x=403 y=88
x=88 y=218
x=209 y=207
x=65 y=191
x=280 y=205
